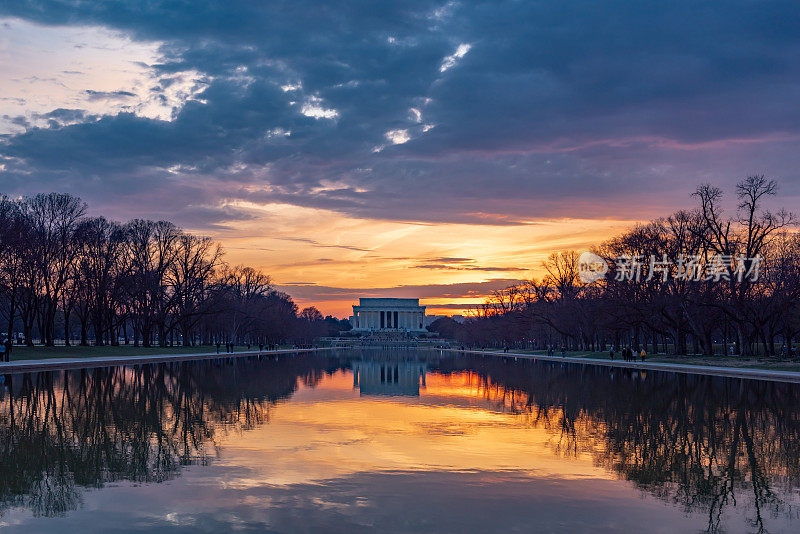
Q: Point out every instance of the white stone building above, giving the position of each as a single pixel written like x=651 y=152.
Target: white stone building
x=388 y=315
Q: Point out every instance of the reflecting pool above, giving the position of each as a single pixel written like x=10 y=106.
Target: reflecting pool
x=395 y=442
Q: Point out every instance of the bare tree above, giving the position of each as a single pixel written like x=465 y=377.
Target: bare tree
x=669 y=297
x=147 y=280
x=53 y=218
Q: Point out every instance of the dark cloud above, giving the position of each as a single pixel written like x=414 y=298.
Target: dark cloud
x=451 y=259
x=314 y=243
x=449 y=306
x=194 y=216
x=65 y=115
x=319 y=293
x=446 y=267
x=556 y=108
x=108 y=95
x=463 y=264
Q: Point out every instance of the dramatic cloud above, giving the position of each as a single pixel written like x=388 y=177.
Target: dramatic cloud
x=500 y=113
x=403 y=104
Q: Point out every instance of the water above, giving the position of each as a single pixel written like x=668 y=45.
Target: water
x=404 y=442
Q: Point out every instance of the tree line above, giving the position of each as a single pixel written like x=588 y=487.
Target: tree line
x=742 y=293
x=64 y=274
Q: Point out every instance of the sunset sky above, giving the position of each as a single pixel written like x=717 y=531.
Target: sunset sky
x=416 y=149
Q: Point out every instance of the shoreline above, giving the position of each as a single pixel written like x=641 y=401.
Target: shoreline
x=708 y=370
x=58 y=364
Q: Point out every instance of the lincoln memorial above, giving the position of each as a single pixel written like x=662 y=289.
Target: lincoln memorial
x=390 y=315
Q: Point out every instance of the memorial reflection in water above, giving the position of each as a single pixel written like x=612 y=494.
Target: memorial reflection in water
x=388 y=376
x=721 y=454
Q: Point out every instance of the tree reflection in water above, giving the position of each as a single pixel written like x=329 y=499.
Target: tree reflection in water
x=704 y=443
x=61 y=432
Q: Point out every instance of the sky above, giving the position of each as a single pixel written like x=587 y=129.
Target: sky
x=412 y=148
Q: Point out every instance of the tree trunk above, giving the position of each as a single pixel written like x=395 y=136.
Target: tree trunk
x=66 y=328
x=708 y=343
x=135 y=327
x=741 y=349
x=98 y=331
x=12 y=306
x=84 y=332
x=771 y=340
x=680 y=342
x=27 y=330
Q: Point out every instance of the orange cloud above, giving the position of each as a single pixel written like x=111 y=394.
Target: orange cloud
x=328 y=260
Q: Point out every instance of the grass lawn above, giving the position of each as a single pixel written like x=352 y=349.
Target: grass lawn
x=41 y=353
x=758 y=362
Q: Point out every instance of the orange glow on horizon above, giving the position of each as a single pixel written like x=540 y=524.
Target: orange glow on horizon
x=328 y=260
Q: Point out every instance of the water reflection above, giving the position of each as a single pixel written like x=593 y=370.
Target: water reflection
x=82 y=429
x=389 y=376
x=705 y=445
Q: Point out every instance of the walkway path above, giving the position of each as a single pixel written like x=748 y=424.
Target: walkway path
x=26 y=366
x=733 y=372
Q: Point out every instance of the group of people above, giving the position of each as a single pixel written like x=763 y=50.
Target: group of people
x=229 y=347
x=628 y=354
x=551 y=351
x=5 y=349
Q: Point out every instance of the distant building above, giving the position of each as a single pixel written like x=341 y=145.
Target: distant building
x=430 y=319
x=388 y=315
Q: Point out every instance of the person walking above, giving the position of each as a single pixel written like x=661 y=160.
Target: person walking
x=643 y=354
x=611 y=352
x=3 y=351
x=218 y=345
